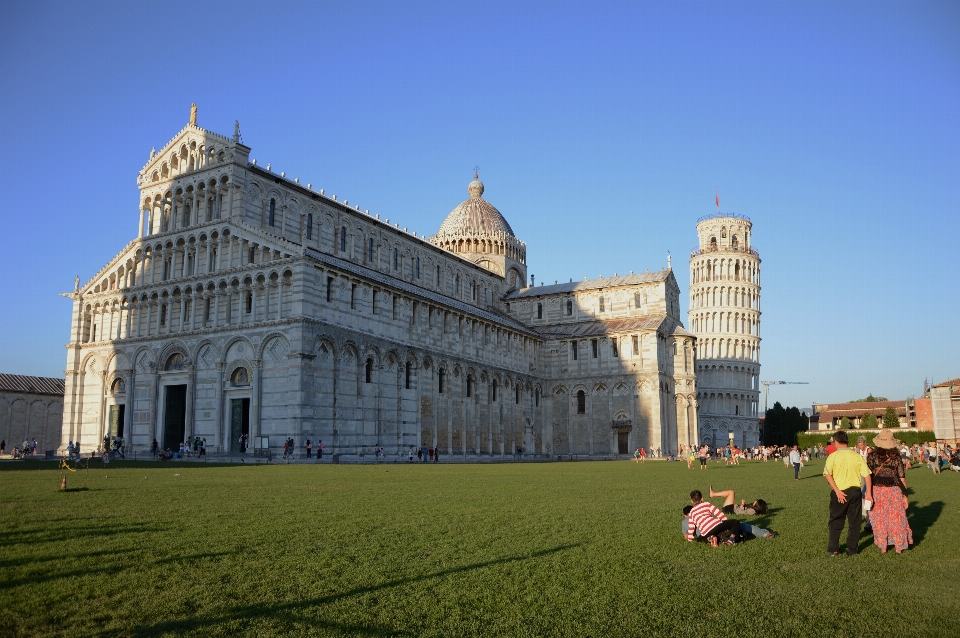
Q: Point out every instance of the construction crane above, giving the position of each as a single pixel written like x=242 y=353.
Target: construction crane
x=766 y=388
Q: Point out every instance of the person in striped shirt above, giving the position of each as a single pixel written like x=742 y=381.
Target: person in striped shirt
x=708 y=521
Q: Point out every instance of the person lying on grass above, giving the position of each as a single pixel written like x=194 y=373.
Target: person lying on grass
x=745 y=528
x=759 y=506
x=708 y=521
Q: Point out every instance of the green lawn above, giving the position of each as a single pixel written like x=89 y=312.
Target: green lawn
x=562 y=549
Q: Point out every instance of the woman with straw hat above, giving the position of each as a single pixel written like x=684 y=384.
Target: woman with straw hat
x=889 y=512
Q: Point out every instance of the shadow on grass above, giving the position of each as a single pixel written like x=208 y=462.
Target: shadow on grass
x=97 y=464
x=116 y=568
x=922 y=519
x=44 y=535
x=287 y=611
x=765 y=520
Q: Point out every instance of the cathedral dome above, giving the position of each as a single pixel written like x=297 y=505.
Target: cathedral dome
x=475 y=216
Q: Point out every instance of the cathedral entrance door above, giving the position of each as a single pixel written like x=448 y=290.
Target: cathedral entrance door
x=239 y=423
x=117 y=413
x=174 y=416
x=623 y=442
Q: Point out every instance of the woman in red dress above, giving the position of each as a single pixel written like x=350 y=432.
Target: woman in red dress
x=888 y=515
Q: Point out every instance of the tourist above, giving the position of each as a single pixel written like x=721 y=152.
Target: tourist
x=308 y=448
x=243 y=443
x=410 y=455
x=888 y=514
x=636 y=455
x=831 y=448
x=155 y=449
x=691 y=457
x=843 y=471
x=955 y=460
x=3 y=446
x=795 y=459
x=933 y=460
x=203 y=448
x=423 y=454
x=703 y=455
x=757 y=508
x=708 y=521
x=745 y=528
x=436 y=455
x=319 y=449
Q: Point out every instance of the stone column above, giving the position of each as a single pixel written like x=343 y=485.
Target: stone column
x=131 y=403
x=216 y=308
x=218 y=410
x=255 y=398
x=191 y=396
x=140 y=229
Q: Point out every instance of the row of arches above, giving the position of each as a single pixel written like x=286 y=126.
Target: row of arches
x=711 y=348
x=726 y=296
x=508 y=246
x=249 y=298
x=731 y=322
x=725 y=269
x=189 y=156
x=728 y=404
x=186 y=206
x=24 y=418
x=728 y=376
x=184 y=256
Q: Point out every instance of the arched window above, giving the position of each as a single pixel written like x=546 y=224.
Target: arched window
x=539 y=311
x=407 y=375
x=496 y=386
x=469 y=386
x=343 y=240
x=240 y=377
x=581 y=402
x=735 y=242
x=309 y=225
x=457 y=285
x=723 y=232
x=396 y=258
x=438 y=276
x=713 y=243
x=174 y=362
x=369 y=370
x=536 y=398
x=569 y=307
x=119 y=387
x=601 y=303
x=416 y=265
x=249 y=302
x=440 y=378
x=518 y=394
x=271 y=220
x=370 y=249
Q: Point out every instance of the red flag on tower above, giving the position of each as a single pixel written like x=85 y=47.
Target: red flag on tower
x=718 y=199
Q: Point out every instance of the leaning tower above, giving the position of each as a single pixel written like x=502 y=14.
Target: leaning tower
x=725 y=316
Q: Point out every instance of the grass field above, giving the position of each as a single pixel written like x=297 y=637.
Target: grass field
x=551 y=549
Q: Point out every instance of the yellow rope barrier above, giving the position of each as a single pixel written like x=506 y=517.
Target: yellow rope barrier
x=65 y=466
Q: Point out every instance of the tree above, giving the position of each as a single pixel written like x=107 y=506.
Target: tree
x=846 y=424
x=890 y=418
x=869 y=399
x=868 y=421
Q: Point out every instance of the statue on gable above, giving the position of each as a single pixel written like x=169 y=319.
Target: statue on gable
x=236 y=130
x=76 y=284
x=193 y=114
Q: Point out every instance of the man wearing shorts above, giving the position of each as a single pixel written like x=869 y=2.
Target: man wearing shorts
x=702 y=455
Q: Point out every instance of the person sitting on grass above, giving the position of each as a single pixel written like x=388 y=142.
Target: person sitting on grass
x=757 y=508
x=745 y=528
x=707 y=521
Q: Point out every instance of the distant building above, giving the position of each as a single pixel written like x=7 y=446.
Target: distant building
x=31 y=408
x=945 y=404
x=829 y=415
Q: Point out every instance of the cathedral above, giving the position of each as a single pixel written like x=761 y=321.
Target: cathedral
x=251 y=304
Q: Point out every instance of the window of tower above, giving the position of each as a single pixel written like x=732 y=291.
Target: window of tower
x=723 y=233
x=713 y=243
x=273 y=212
x=735 y=242
x=569 y=307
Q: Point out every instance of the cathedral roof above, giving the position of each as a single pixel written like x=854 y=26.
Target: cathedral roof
x=593 y=284
x=475 y=216
x=594 y=328
x=31 y=385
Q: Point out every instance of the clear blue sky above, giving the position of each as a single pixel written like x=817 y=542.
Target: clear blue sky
x=602 y=131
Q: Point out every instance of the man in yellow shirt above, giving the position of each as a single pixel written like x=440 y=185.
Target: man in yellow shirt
x=843 y=471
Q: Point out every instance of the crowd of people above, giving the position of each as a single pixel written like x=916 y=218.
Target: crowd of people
x=867 y=483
